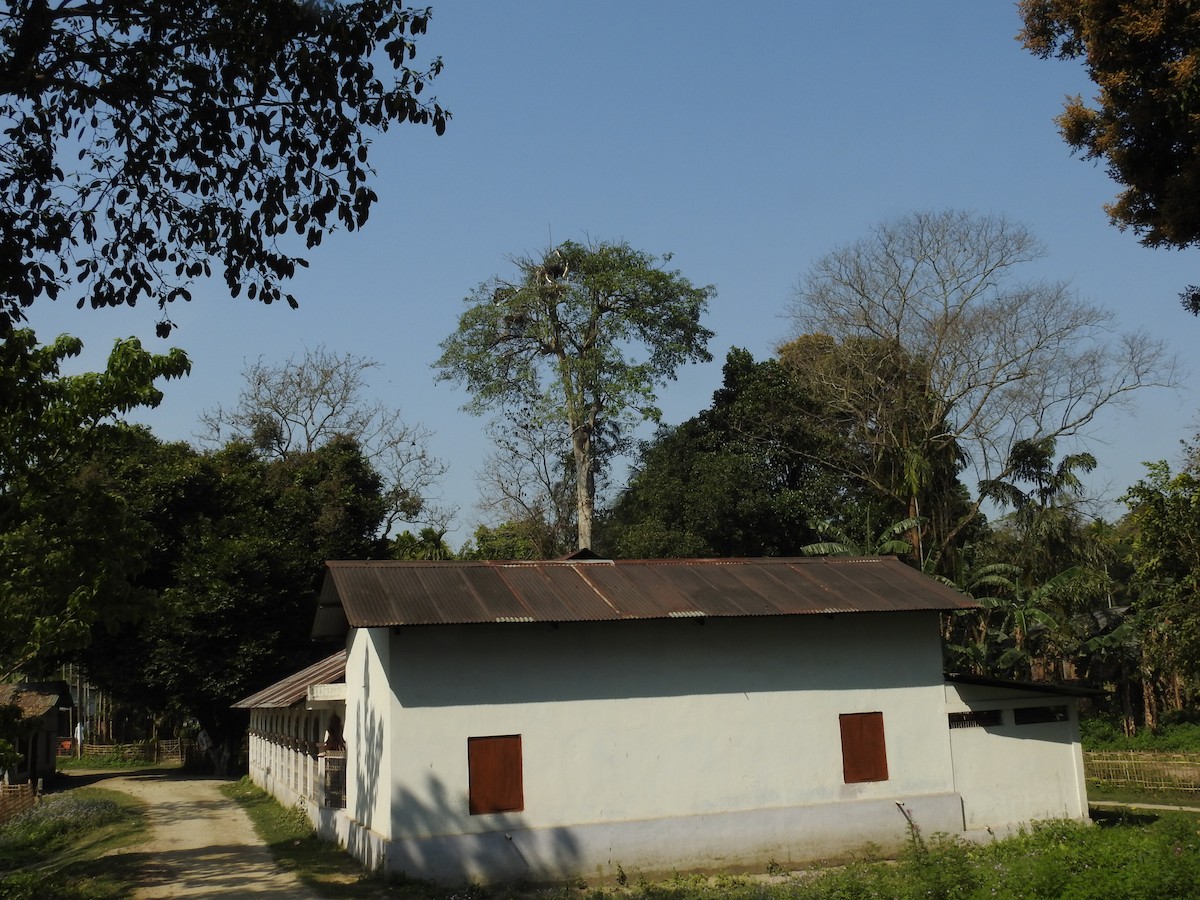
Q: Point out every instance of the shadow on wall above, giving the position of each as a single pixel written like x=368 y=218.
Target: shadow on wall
x=508 y=849
x=368 y=733
x=503 y=663
x=454 y=846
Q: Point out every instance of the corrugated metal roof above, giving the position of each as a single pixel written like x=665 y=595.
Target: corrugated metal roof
x=294 y=688
x=380 y=593
x=35 y=700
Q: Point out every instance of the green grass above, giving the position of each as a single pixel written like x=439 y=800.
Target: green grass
x=1132 y=854
x=319 y=864
x=1116 y=794
x=56 y=850
x=115 y=763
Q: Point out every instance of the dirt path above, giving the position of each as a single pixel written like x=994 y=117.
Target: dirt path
x=201 y=843
x=1155 y=806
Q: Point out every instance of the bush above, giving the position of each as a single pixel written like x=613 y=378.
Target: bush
x=1173 y=737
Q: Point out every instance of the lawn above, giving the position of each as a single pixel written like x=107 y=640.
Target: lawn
x=1104 y=793
x=114 y=763
x=55 y=851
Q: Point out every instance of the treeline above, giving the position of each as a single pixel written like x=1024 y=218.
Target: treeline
x=929 y=403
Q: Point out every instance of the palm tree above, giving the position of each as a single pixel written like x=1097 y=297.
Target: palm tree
x=1050 y=533
x=889 y=542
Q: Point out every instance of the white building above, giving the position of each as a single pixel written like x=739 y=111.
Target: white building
x=542 y=720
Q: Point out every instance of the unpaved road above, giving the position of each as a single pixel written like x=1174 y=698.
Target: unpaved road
x=201 y=843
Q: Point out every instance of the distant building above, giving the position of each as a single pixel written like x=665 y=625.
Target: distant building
x=45 y=717
x=546 y=719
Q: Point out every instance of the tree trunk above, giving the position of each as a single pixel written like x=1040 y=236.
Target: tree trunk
x=1128 y=724
x=585 y=484
x=914 y=533
x=1149 y=703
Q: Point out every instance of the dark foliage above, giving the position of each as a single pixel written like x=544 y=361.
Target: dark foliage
x=145 y=140
x=742 y=478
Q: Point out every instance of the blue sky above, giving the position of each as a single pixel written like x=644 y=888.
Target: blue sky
x=747 y=139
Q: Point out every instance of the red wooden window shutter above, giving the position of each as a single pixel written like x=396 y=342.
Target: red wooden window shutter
x=494 y=769
x=864 y=756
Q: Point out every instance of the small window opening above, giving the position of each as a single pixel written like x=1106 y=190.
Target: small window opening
x=864 y=753
x=975 y=718
x=494 y=769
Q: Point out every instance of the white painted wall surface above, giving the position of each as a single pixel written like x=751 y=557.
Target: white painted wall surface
x=1013 y=774
x=369 y=730
x=652 y=720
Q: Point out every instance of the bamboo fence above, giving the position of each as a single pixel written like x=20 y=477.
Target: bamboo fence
x=1149 y=771
x=172 y=751
x=15 y=799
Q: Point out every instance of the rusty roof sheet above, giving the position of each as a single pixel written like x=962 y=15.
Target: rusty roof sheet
x=35 y=700
x=381 y=593
x=294 y=688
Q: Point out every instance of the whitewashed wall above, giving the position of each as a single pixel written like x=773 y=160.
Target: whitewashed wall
x=1011 y=774
x=370 y=729
x=650 y=743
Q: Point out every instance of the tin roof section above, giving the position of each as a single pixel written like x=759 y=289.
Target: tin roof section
x=35 y=700
x=294 y=688
x=383 y=593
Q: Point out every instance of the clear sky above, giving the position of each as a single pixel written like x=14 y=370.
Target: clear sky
x=747 y=139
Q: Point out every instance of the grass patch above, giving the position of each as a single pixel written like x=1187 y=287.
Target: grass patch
x=114 y=762
x=322 y=866
x=1130 y=855
x=1118 y=794
x=54 y=851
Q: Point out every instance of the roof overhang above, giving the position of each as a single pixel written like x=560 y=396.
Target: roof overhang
x=1033 y=687
x=390 y=593
x=295 y=688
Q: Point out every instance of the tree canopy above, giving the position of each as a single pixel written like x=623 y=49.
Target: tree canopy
x=586 y=334
x=1165 y=510
x=239 y=545
x=987 y=359
x=749 y=476
x=307 y=401
x=70 y=547
x=1144 y=58
x=146 y=140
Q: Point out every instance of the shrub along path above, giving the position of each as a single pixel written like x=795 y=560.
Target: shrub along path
x=201 y=844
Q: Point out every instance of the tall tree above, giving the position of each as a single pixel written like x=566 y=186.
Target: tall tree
x=70 y=548
x=146 y=140
x=430 y=544
x=300 y=405
x=590 y=332
x=1001 y=359
x=1144 y=58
